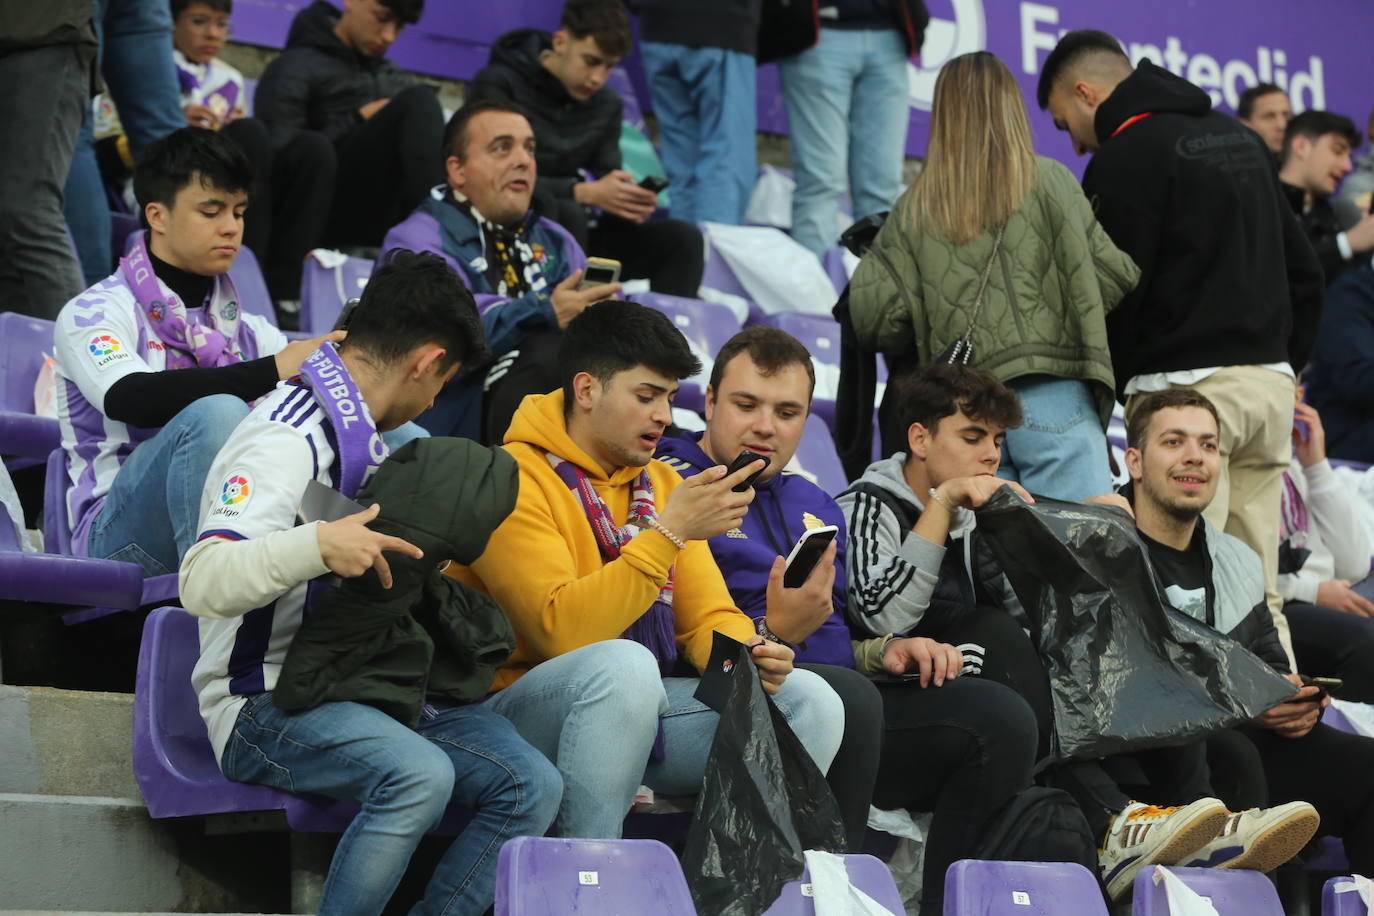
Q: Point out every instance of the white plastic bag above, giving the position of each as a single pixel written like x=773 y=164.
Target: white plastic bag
x=771 y=202
x=1183 y=900
x=777 y=272
x=832 y=892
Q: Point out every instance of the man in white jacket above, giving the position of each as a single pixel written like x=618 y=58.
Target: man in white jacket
x=1324 y=549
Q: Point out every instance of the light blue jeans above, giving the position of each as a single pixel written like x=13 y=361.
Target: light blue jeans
x=404 y=780
x=595 y=713
x=708 y=117
x=136 y=60
x=1060 y=450
x=151 y=515
x=847 y=109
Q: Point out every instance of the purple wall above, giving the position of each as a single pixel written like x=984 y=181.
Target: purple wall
x=1222 y=45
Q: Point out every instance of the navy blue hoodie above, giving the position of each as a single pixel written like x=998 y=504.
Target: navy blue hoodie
x=783 y=508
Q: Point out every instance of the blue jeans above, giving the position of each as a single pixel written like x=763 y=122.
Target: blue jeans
x=595 y=713
x=151 y=515
x=404 y=780
x=847 y=109
x=136 y=60
x=705 y=102
x=1059 y=450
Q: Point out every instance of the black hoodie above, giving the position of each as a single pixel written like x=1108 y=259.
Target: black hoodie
x=1227 y=276
x=319 y=83
x=570 y=135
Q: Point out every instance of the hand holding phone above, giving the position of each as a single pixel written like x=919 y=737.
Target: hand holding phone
x=599 y=272
x=1326 y=686
x=655 y=183
x=742 y=461
x=806 y=553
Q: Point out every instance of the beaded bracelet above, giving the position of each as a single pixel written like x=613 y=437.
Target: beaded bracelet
x=658 y=526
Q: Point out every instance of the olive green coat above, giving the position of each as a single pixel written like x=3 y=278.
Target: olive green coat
x=1054 y=280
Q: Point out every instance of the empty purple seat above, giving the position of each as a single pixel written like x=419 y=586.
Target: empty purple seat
x=717 y=275
x=979 y=888
x=330 y=280
x=251 y=286
x=707 y=326
x=1341 y=898
x=544 y=875
x=1233 y=892
x=867 y=873
x=24 y=343
x=816 y=456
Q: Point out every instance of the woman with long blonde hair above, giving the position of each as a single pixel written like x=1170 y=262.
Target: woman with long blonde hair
x=993 y=257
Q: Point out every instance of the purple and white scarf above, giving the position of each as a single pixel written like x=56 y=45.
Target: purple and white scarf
x=191 y=84
x=655 y=629
x=357 y=443
x=189 y=343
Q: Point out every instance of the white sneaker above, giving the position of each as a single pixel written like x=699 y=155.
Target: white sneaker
x=1144 y=835
x=1260 y=839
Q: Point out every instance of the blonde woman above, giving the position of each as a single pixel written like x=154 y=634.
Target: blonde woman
x=987 y=214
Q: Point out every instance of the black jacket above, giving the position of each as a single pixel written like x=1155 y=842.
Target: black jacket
x=1322 y=225
x=729 y=24
x=1227 y=276
x=791 y=26
x=319 y=83
x=1341 y=379
x=428 y=635
x=569 y=135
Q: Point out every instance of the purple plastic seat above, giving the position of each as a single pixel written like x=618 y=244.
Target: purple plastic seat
x=867 y=873
x=251 y=286
x=706 y=325
x=718 y=276
x=979 y=888
x=24 y=343
x=1340 y=898
x=1231 y=891
x=816 y=456
x=833 y=262
x=122 y=226
x=820 y=335
x=324 y=290
x=537 y=876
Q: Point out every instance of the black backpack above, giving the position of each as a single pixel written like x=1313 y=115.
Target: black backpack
x=1039 y=824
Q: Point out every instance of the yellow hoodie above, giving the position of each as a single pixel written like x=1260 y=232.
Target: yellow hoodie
x=543 y=566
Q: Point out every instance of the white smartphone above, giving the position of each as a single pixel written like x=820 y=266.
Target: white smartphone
x=599 y=271
x=806 y=554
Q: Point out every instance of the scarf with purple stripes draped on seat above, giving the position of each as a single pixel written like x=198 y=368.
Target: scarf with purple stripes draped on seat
x=655 y=629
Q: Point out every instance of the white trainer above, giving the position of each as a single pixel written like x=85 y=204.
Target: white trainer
x=1142 y=835
x=1260 y=839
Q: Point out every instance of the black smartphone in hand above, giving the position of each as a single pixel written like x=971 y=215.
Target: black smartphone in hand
x=655 y=183
x=744 y=459
x=809 y=549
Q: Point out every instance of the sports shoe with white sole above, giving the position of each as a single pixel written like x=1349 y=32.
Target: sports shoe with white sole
x=1142 y=835
x=1260 y=839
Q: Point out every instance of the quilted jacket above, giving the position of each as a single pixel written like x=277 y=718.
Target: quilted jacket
x=1056 y=277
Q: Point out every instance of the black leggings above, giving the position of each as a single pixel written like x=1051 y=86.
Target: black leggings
x=1162 y=776
x=855 y=767
x=1332 y=643
x=960 y=751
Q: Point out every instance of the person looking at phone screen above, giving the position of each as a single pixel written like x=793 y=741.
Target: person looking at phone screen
x=610 y=587
x=524 y=270
x=758 y=400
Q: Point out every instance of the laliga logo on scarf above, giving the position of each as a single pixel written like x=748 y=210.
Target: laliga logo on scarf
x=945 y=40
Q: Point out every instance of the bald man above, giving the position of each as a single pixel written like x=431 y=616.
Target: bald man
x=1230 y=290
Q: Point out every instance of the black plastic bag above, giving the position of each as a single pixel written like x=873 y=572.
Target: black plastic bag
x=1127 y=671
x=762 y=803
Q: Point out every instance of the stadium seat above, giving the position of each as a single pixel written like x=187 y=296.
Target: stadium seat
x=707 y=326
x=331 y=278
x=1232 y=892
x=24 y=344
x=835 y=267
x=542 y=875
x=867 y=873
x=816 y=456
x=1340 y=897
x=718 y=276
x=122 y=226
x=979 y=888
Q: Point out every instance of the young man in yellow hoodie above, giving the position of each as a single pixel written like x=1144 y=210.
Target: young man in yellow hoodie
x=605 y=573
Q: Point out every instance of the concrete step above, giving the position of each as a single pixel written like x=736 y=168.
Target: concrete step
x=66 y=742
x=104 y=854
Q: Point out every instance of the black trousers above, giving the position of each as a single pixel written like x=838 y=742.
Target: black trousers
x=855 y=767
x=960 y=751
x=386 y=167
x=293 y=185
x=1170 y=776
x=1332 y=643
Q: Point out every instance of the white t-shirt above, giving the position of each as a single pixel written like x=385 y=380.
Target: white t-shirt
x=102 y=336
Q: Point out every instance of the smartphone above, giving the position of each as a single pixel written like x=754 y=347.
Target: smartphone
x=743 y=460
x=599 y=271
x=346 y=315
x=654 y=183
x=1327 y=684
x=806 y=554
